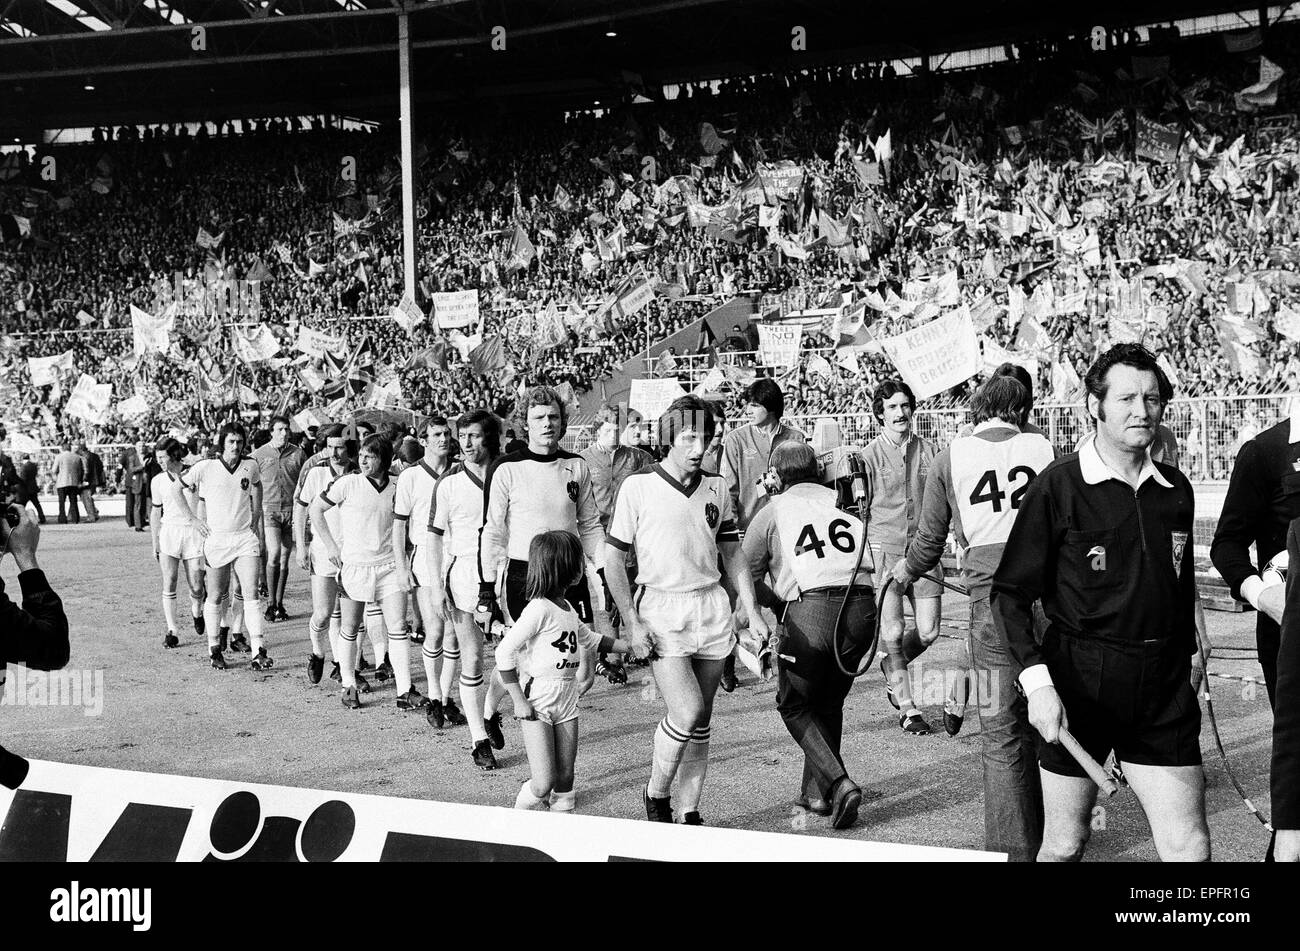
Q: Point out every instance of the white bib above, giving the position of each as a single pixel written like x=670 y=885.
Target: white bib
x=989 y=479
x=820 y=541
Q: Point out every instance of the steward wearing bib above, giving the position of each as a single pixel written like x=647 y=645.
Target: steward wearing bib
x=976 y=485
x=801 y=550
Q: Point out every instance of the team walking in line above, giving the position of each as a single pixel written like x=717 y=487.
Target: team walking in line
x=1070 y=563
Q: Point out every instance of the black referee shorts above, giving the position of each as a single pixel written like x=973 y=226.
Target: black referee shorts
x=1133 y=698
x=517 y=584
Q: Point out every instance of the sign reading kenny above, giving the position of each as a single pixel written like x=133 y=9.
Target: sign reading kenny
x=82 y=813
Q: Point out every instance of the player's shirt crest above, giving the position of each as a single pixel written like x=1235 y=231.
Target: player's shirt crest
x=243 y=484
x=572 y=488
x=1179 y=545
x=711 y=514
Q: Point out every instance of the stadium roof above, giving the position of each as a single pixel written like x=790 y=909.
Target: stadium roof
x=68 y=63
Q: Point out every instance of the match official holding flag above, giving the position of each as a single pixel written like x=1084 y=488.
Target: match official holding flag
x=1104 y=538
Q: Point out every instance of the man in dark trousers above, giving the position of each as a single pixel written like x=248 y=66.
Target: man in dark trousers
x=69 y=474
x=29 y=487
x=93 y=467
x=1263 y=497
x=1104 y=537
x=129 y=461
x=1286 y=718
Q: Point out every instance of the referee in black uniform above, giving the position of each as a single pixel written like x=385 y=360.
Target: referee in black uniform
x=1104 y=538
x=1263 y=497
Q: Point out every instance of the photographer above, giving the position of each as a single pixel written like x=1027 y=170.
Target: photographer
x=36 y=634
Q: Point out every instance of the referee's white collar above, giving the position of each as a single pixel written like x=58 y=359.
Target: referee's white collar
x=1095 y=471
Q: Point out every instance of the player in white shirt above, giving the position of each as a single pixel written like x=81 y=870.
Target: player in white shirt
x=175 y=539
x=679 y=519
x=229 y=518
x=545 y=646
x=411 y=524
x=538 y=489
x=369 y=569
x=312 y=556
x=455 y=519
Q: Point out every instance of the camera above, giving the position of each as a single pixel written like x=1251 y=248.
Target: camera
x=13 y=513
x=770 y=482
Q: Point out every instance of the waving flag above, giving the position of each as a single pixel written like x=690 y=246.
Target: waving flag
x=522 y=251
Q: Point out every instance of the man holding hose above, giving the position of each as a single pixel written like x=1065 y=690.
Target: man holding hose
x=1104 y=538
x=976 y=485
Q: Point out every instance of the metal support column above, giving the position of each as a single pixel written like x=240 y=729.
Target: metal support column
x=408 y=153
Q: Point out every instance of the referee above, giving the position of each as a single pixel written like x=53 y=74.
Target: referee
x=1104 y=538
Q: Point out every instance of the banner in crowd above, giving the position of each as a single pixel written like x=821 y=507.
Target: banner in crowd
x=67 y=813
x=455 y=309
x=938 y=355
x=407 y=313
x=149 y=333
x=1287 y=323
x=206 y=240
x=255 y=347
x=21 y=443
x=1156 y=141
x=89 y=400
x=316 y=343
x=778 y=344
x=651 y=397
x=135 y=405
x=631 y=300
x=45 y=370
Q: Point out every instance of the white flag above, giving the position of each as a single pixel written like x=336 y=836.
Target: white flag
x=938 y=355
x=151 y=333
x=407 y=313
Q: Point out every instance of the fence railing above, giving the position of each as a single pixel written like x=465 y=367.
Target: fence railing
x=691 y=369
x=45 y=475
x=1209 y=430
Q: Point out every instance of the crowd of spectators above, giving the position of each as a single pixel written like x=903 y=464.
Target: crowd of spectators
x=311 y=214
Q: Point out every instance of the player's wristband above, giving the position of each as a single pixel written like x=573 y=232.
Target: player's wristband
x=508 y=676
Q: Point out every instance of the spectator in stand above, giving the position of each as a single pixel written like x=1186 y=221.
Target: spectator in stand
x=513 y=442
x=69 y=475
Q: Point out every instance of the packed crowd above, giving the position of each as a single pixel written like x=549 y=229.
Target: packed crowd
x=1020 y=178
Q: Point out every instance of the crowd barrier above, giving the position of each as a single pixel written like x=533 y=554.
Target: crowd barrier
x=1209 y=430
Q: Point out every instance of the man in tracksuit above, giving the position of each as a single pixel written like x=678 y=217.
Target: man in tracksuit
x=746 y=457
x=977 y=484
x=1104 y=538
